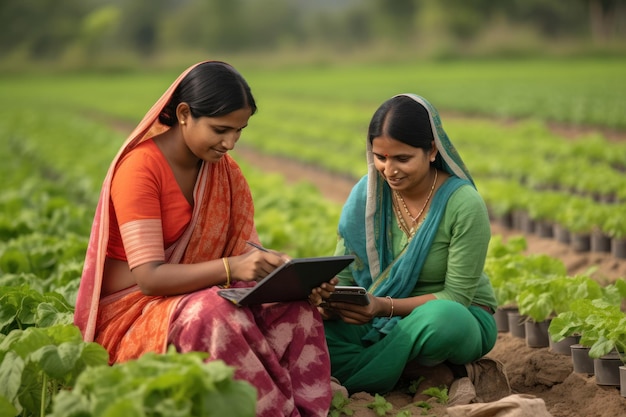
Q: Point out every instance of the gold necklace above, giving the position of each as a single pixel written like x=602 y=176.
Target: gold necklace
x=406 y=209
x=400 y=220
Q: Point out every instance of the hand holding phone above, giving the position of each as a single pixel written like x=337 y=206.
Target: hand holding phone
x=350 y=294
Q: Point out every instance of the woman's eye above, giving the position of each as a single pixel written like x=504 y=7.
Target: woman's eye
x=219 y=131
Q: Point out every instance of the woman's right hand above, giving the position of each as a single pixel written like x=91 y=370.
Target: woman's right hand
x=255 y=265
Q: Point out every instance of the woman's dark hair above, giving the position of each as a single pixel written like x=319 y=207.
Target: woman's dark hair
x=211 y=89
x=403 y=119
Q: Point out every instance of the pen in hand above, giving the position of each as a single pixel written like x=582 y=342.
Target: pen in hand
x=259 y=247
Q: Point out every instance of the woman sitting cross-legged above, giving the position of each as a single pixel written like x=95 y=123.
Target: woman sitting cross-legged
x=420 y=232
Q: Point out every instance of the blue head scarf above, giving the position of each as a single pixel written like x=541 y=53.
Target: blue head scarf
x=367 y=220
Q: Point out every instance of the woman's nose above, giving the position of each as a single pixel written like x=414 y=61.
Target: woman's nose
x=230 y=140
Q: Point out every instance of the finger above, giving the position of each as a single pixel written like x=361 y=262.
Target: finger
x=283 y=258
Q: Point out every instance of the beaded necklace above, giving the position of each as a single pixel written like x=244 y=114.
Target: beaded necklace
x=401 y=223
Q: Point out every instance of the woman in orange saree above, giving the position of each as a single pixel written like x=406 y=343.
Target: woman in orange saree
x=170 y=229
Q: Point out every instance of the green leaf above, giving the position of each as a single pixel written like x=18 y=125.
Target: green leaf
x=123 y=407
x=169 y=384
x=11 y=369
x=57 y=361
x=236 y=398
x=14 y=261
x=93 y=354
x=24 y=342
x=440 y=393
x=68 y=405
x=601 y=347
x=6 y=408
x=8 y=314
x=48 y=315
x=30 y=389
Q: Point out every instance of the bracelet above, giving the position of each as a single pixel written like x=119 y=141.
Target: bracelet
x=391 y=301
x=227 y=268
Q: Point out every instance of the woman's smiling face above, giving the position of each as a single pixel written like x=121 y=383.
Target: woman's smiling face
x=403 y=166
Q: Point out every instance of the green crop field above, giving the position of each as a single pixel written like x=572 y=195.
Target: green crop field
x=320 y=115
x=58 y=134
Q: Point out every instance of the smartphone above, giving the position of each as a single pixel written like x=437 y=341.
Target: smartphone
x=350 y=294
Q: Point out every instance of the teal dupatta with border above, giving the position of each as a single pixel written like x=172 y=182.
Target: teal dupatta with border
x=367 y=220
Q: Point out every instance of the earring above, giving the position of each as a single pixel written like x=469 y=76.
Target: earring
x=182 y=122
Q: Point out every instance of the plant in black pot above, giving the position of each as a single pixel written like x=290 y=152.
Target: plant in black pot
x=602 y=328
x=615 y=227
x=544 y=297
x=503 y=264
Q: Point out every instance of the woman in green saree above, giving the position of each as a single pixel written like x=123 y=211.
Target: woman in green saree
x=420 y=232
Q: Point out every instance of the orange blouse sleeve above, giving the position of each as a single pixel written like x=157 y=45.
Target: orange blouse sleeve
x=150 y=209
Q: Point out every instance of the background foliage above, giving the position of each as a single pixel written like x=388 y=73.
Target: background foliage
x=125 y=34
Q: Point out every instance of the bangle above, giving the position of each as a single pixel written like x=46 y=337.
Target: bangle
x=391 y=301
x=227 y=268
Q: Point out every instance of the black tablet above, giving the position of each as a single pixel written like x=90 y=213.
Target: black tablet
x=291 y=281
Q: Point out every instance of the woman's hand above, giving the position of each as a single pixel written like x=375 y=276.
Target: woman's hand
x=321 y=293
x=357 y=314
x=256 y=264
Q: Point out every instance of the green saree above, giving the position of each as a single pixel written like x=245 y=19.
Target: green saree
x=372 y=356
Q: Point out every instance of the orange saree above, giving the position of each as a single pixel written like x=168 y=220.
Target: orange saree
x=279 y=348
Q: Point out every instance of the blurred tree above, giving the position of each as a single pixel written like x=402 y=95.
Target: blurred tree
x=466 y=19
x=346 y=28
x=46 y=28
x=552 y=18
x=98 y=29
x=395 y=18
x=140 y=24
x=272 y=23
x=41 y=28
x=607 y=19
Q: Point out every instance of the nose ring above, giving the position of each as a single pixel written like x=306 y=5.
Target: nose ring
x=395 y=172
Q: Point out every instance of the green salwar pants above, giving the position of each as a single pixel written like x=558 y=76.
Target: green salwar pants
x=438 y=331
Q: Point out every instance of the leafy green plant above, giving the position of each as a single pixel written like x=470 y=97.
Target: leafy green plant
x=587 y=299
x=502 y=196
x=22 y=307
x=424 y=406
x=339 y=405
x=502 y=266
x=615 y=224
x=36 y=363
x=440 y=393
x=414 y=384
x=601 y=325
x=521 y=278
x=578 y=215
x=543 y=206
x=546 y=296
x=380 y=405
x=172 y=384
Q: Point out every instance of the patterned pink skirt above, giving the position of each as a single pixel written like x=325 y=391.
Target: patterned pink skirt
x=279 y=348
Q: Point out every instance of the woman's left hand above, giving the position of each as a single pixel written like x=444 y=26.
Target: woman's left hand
x=357 y=314
x=319 y=294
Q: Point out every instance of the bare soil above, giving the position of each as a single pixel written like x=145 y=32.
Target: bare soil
x=534 y=371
